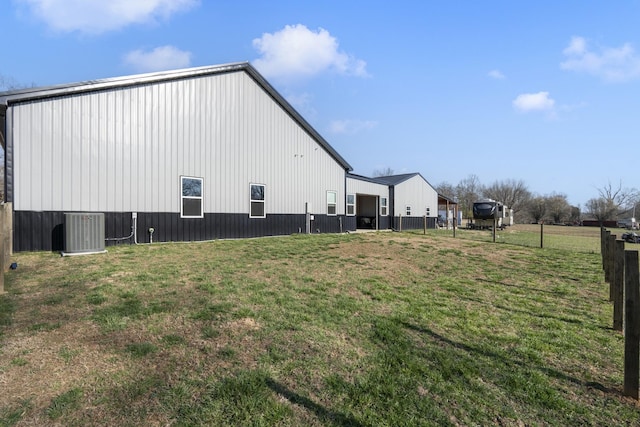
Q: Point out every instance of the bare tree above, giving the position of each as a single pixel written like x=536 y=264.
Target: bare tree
x=468 y=191
x=601 y=209
x=447 y=190
x=512 y=193
x=9 y=83
x=383 y=172
x=537 y=208
x=611 y=202
x=620 y=197
x=558 y=207
x=574 y=214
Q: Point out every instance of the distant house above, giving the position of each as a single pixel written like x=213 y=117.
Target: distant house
x=197 y=154
x=412 y=199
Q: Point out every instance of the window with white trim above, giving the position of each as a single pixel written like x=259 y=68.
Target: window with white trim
x=383 y=206
x=191 y=197
x=351 y=204
x=408 y=210
x=332 y=203
x=257 y=209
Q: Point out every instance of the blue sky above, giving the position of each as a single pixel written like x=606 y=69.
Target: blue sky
x=541 y=91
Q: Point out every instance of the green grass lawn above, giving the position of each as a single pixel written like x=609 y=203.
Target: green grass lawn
x=368 y=329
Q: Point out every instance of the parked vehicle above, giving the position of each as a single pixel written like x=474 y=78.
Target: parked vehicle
x=631 y=237
x=485 y=211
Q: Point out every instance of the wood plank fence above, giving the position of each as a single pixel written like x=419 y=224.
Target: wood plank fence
x=622 y=272
x=6 y=241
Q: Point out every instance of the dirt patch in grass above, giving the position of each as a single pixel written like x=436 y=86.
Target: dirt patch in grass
x=54 y=362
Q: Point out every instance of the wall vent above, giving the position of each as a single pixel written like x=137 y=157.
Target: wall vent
x=84 y=233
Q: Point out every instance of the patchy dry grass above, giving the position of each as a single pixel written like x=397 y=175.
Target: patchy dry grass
x=365 y=329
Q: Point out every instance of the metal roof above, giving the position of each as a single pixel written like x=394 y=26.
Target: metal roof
x=364 y=178
x=36 y=93
x=395 y=179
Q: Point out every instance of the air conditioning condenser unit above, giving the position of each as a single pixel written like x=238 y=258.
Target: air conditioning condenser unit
x=83 y=233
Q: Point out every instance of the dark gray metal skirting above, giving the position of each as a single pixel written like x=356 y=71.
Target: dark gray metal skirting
x=44 y=231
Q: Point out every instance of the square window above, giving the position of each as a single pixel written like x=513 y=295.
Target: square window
x=191 y=197
x=408 y=210
x=332 y=207
x=191 y=207
x=351 y=204
x=257 y=196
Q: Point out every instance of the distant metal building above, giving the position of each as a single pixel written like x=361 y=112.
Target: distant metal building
x=196 y=154
x=412 y=200
x=367 y=204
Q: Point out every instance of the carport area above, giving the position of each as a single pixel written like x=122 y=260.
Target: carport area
x=366 y=212
x=448 y=214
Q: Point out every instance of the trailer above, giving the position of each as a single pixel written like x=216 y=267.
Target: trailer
x=487 y=212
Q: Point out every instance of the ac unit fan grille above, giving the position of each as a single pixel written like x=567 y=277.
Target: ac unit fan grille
x=84 y=232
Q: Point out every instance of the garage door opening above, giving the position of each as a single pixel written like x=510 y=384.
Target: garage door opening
x=366 y=212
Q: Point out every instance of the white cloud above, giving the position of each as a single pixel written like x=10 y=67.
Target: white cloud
x=351 y=126
x=496 y=74
x=158 y=59
x=296 y=51
x=99 y=16
x=577 y=46
x=534 y=102
x=611 y=64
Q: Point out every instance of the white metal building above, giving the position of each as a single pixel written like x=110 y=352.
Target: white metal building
x=412 y=199
x=196 y=154
x=371 y=198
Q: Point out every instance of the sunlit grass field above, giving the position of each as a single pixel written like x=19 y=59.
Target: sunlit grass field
x=579 y=239
x=363 y=329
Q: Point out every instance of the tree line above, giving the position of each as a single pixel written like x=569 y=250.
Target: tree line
x=612 y=202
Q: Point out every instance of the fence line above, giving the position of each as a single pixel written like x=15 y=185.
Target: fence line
x=622 y=272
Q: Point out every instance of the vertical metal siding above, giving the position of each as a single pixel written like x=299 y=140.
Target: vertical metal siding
x=417 y=193
x=124 y=150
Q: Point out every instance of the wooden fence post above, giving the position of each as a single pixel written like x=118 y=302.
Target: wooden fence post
x=541 y=234
x=603 y=233
x=605 y=255
x=618 y=285
x=632 y=324
x=611 y=254
x=8 y=220
x=3 y=247
x=495 y=224
x=605 y=260
x=455 y=221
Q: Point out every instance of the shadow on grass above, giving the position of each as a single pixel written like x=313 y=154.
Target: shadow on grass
x=472 y=350
x=519 y=311
x=528 y=288
x=320 y=411
x=540 y=316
